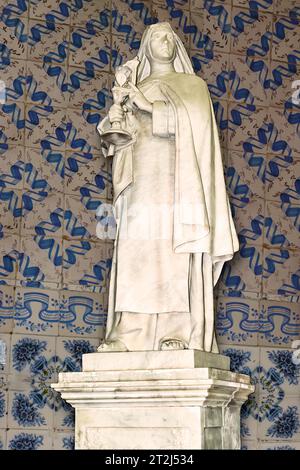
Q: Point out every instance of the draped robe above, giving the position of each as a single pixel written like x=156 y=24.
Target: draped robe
x=174 y=161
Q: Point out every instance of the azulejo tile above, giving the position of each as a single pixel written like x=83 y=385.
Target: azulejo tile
x=36 y=209
x=44 y=41
x=237 y=321
x=286 y=127
x=91 y=10
x=21 y=439
x=129 y=21
x=281 y=274
x=64 y=441
x=9 y=256
x=90 y=48
x=28 y=352
x=283 y=47
x=14 y=77
x=41 y=174
x=43 y=89
x=279 y=323
x=243 y=183
x=82 y=314
x=25 y=410
x=51 y=8
x=86 y=265
x=12 y=123
x=247 y=87
x=285 y=364
x=248 y=219
x=244 y=124
x=84 y=217
x=284 y=7
x=10 y=210
x=212 y=71
x=93 y=97
x=7 y=308
x=40 y=266
x=91 y=178
x=242 y=277
x=37 y=311
x=250 y=32
x=283 y=172
x=82 y=135
x=285 y=229
x=217 y=28
x=14 y=40
x=284 y=424
x=47 y=129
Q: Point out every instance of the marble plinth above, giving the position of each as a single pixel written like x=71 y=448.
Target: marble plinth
x=155 y=400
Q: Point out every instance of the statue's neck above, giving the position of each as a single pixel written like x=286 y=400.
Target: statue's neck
x=158 y=68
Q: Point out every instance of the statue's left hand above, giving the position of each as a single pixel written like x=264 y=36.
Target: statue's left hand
x=138 y=100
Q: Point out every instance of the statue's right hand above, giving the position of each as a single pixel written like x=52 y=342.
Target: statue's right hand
x=116 y=113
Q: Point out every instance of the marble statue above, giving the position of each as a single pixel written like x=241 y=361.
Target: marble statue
x=174 y=225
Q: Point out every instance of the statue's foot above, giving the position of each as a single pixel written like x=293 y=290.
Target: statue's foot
x=172 y=343
x=112 y=346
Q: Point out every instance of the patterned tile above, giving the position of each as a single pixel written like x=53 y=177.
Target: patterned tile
x=14 y=39
x=284 y=425
x=44 y=89
x=86 y=265
x=217 y=28
x=9 y=256
x=63 y=441
x=37 y=311
x=7 y=310
x=21 y=439
x=279 y=323
x=237 y=321
x=253 y=25
x=40 y=267
x=44 y=40
x=281 y=274
x=89 y=11
x=283 y=364
x=82 y=314
x=41 y=174
x=287 y=229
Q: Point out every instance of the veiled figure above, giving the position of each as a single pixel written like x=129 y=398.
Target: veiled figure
x=174 y=225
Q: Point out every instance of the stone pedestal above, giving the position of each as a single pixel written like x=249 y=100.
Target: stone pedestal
x=156 y=400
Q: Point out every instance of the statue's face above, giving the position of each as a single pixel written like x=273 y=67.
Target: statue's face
x=162 y=45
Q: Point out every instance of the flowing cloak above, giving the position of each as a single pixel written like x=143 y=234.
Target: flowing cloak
x=202 y=221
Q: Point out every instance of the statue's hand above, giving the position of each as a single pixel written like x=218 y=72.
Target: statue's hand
x=138 y=100
x=116 y=113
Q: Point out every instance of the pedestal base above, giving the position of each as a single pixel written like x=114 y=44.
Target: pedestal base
x=156 y=400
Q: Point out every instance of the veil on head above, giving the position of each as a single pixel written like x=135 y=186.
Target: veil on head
x=182 y=62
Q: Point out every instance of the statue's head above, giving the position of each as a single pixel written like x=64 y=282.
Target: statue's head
x=162 y=45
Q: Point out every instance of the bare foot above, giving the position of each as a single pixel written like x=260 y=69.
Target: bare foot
x=172 y=343
x=112 y=346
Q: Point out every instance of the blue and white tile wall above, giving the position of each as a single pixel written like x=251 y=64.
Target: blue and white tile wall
x=57 y=59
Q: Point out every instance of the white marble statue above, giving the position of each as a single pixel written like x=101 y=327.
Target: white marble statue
x=174 y=225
